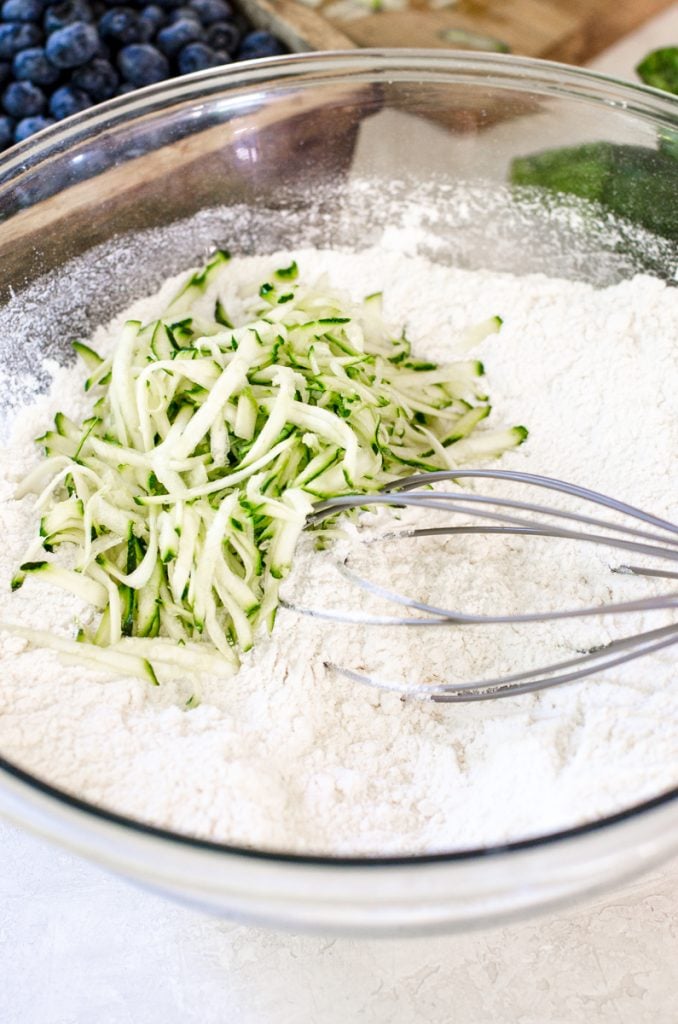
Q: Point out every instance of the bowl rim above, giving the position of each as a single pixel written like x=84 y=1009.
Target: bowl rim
x=526 y=73
x=559 y=78
x=476 y=853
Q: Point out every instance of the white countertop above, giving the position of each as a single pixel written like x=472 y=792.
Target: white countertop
x=81 y=947
x=78 y=946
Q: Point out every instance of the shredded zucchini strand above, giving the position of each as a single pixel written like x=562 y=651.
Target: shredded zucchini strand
x=184 y=496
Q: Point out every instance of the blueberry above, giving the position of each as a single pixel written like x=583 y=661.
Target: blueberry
x=59 y=15
x=98 y=78
x=125 y=88
x=152 y=18
x=121 y=25
x=22 y=10
x=198 y=57
x=85 y=163
x=6 y=131
x=103 y=50
x=169 y=5
x=179 y=13
x=32 y=66
x=142 y=64
x=30 y=125
x=224 y=36
x=211 y=11
x=259 y=44
x=174 y=37
x=68 y=100
x=73 y=45
x=27 y=193
x=15 y=36
x=23 y=99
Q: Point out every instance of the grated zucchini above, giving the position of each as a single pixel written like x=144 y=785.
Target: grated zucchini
x=184 y=496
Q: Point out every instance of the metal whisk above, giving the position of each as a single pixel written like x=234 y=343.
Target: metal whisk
x=656 y=538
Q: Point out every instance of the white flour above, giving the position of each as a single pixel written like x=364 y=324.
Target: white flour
x=288 y=755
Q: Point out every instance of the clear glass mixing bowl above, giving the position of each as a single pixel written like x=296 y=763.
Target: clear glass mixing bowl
x=326 y=149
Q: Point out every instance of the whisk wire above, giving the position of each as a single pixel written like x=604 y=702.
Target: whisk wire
x=518 y=683
x=498 y=517
x=534 y=480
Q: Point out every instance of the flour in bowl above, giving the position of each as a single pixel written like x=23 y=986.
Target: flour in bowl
x=288 y=755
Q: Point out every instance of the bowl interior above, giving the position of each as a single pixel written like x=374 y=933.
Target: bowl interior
x=330 y=151
x=324 y=152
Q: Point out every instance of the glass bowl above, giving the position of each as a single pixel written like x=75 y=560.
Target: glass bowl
x=329 y=150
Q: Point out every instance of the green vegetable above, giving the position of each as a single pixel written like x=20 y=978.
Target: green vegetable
x=668 y=142
x=290 y=273
x=660 y=69
x=184 y=496
x=634 y=182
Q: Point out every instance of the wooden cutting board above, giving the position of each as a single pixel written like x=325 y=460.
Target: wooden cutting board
x=573 y=31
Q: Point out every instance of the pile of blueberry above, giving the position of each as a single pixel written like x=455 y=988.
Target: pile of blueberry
x=57 y=58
